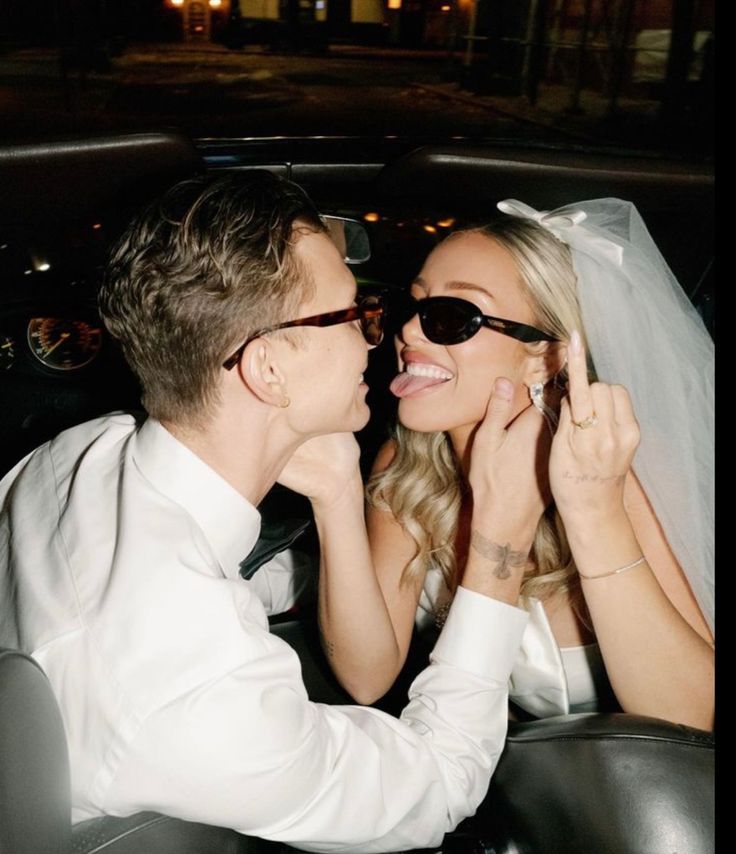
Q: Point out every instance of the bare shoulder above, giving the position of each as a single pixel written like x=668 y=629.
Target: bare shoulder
x=660 y=557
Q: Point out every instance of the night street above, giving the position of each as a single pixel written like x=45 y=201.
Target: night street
x=208 y=90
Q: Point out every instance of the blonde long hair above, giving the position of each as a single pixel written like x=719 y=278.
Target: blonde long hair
x=423 y=486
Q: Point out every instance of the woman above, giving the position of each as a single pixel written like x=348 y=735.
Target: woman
x=606 y=540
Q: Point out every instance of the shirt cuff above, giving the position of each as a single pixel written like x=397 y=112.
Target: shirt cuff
x=481 y=635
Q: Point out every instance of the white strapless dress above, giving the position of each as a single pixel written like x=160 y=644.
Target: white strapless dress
x=546 y=680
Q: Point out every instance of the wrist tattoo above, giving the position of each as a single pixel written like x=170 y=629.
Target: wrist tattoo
x=504 y=557
x=594 y=478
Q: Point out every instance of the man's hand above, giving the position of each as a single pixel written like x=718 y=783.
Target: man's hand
x=322 y=468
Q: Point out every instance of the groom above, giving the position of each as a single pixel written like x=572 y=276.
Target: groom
x=121 y=543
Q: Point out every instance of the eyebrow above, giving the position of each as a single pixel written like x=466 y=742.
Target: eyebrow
x=456 y=286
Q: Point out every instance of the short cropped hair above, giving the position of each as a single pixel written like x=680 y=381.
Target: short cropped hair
x=197 y=272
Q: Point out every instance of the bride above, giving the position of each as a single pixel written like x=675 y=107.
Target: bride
x=556 y=405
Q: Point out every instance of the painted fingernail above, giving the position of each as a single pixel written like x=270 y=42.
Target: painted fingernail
x=576 y=344
x=503 y=388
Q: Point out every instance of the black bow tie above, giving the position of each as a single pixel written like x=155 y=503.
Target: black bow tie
x=276 y=536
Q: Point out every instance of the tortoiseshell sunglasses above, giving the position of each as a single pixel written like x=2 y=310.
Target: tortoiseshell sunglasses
x=370 y=311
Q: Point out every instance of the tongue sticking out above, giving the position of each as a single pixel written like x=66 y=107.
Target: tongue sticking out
x=405 y=384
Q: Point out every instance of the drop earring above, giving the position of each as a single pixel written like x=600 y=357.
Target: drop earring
x=536 y=393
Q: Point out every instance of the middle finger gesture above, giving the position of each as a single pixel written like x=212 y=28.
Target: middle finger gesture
x=594 y=445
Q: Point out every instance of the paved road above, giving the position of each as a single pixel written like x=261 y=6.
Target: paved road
x=208 y=90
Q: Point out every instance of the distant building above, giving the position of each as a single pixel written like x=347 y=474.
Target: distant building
x=305 y=24
x=604 y=45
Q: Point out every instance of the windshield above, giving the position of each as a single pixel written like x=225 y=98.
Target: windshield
x=627 y=75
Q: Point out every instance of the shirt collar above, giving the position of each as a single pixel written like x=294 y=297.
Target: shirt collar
x=229 y=521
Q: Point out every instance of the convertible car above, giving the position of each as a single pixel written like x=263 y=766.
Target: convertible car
x=575 y=784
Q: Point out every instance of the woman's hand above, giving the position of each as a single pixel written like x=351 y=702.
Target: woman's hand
x=322 y=468
x=594 y=445
x=509 y=463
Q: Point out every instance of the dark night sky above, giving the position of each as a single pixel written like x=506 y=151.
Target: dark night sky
x=42 y=21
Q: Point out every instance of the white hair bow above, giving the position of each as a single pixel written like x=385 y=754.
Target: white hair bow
x=565 y=227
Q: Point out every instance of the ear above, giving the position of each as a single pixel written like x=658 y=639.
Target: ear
x=261 y=370
x=545 y=363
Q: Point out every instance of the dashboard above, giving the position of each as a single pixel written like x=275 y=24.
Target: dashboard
x=58 y=365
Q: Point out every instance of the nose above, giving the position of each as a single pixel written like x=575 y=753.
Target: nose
x=412 y=330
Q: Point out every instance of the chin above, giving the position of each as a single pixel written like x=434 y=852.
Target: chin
x=423 y=419
x=355 y=420
x=361 y=422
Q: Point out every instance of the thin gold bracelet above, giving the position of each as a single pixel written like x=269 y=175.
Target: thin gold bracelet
x=628 y=566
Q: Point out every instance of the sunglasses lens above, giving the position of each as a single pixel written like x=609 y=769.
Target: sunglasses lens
x=446 y=320
x=372 y=319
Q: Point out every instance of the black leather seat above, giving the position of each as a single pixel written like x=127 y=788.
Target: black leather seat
x=34 y=764
x=153 y=833
x=576 y=784
x=35 y=806
x=609 y=784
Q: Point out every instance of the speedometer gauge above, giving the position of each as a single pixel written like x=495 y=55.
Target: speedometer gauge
x=63 y=344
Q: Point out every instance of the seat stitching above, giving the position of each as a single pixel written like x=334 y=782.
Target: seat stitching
x=150 y=823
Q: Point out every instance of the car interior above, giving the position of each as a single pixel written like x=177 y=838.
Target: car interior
x=576 y=783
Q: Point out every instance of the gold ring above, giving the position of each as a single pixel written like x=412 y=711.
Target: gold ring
x=590 y=421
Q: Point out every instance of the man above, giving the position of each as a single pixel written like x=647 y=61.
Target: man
x=120 y=545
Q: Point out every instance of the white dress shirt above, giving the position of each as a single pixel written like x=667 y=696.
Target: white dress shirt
x=119 y=556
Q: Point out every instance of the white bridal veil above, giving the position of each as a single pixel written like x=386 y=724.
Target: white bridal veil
x=644 y=333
